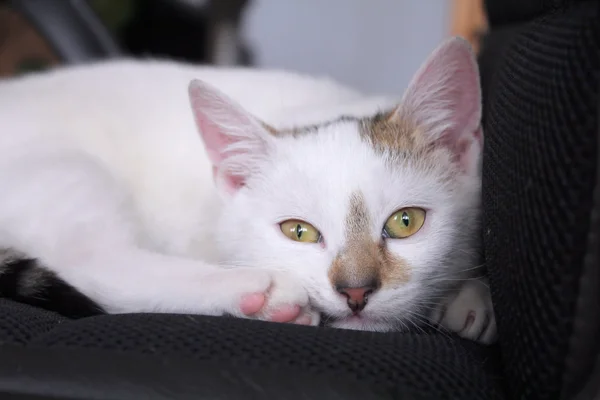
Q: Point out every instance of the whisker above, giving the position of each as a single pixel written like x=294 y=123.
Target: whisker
x=472 y=268
x=456 y=279
x=417 y=326
x=424 y=320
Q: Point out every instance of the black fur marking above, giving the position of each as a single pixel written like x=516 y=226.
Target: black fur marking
x=25 y=281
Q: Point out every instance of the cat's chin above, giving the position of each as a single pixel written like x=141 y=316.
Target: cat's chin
x=361 y=323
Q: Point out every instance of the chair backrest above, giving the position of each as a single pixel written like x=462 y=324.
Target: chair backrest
x=541 y=191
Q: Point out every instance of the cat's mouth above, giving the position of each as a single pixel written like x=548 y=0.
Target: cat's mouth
x=327 y=319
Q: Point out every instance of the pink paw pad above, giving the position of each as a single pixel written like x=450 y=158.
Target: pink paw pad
x=285 y=314
x=469 y=321
x=252 y=303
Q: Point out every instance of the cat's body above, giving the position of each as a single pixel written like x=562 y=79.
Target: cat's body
x=133 y=118
x=106 y=183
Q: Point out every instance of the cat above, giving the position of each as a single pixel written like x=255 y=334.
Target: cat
x=263 y=195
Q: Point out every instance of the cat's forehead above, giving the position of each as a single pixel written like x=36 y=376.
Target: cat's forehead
x=334 y=146
x=379 y=131
x=371 y=141
x=335 y=159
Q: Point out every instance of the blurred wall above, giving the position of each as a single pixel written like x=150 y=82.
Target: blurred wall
x=373 y=45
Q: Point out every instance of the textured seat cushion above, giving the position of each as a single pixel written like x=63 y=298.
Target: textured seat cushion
x=540 y=210
x=426 y=364
x=20 y=323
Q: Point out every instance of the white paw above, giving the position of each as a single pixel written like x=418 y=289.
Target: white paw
x=275 y=296
x=287 y=301
x=470 y=313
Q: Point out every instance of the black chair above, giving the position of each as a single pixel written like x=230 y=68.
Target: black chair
x=540 y=69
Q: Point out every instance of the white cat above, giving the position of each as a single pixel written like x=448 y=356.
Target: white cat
x=276 y=196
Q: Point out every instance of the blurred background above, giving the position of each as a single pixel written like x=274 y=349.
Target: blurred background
x=373 y=45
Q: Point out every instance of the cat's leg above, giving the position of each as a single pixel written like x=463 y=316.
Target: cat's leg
x=469 y=313
x=69 y=213
x=135 y=280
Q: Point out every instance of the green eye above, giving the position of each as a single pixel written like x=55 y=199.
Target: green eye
x=300 y=231
x=404 y=223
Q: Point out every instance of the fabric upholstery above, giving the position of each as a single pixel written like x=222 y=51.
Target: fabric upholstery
x=427 y=362
x=540 y=173
x=509 y=12
x=432 y=365
x=20 y=323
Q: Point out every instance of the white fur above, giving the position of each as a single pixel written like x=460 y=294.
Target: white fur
x=106 y=181
x=470 y=312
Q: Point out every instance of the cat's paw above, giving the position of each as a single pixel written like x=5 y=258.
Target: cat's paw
x=274 y=296
x=470 y=313
x=287 y=301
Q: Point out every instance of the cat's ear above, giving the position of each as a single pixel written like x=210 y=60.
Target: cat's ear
x=235 y=140
x=443 y=100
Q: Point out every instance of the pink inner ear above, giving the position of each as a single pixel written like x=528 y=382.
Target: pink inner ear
x=213 y=140
x=444 y=97
x=217 y=119
x=222 y=123
x=232 y=182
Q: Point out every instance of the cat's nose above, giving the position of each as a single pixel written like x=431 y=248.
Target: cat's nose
x=357 y=296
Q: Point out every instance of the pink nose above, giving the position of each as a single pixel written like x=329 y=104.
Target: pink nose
x=357 y=296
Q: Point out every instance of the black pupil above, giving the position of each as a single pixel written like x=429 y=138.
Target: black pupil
x=299 y=231
x=405 y=219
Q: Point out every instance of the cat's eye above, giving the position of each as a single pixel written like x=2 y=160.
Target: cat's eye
x=300 y=231
x=404 y=223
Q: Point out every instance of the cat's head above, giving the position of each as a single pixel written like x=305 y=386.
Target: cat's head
x=376 y=216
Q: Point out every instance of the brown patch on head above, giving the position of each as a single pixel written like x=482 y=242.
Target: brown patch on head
x=386 y=130
x=394 y=133
x=363 y=261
